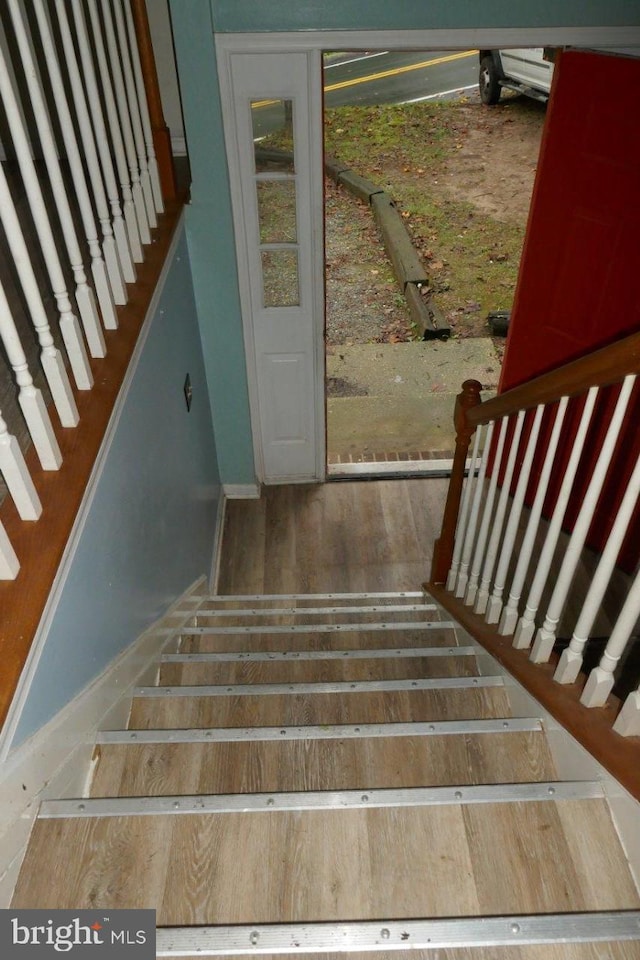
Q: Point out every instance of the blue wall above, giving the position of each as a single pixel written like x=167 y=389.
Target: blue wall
x=149 y=528
x=239 y=16
x=211 y=240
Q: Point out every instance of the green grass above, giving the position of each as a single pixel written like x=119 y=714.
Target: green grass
x=473 y=257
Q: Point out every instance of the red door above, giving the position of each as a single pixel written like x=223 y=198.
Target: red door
x=579 y=283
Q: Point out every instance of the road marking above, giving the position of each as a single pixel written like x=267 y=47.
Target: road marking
x=396 y=71
x=443 y=93
x=256 y=104
x=366 y=56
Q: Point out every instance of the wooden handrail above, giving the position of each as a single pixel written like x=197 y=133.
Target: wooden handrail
x=601 y=368
x=159 y=129
x=608 y=365
x=466 y=402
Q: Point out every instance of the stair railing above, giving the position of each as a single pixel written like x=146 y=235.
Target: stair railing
x=75 y=78
x=514 y=533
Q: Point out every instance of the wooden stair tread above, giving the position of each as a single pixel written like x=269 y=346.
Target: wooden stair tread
x=299 y=671
x=340 y=640
x=319 y=708
x=605 y=950
x=324 y=865
x=190 y=768
x=312 y=619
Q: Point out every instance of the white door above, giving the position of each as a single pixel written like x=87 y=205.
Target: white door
x=275 y=154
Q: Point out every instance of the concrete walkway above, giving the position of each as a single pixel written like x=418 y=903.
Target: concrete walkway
x=391 y=402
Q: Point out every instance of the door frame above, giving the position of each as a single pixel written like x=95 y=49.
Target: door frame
x=608 y=39
x=313 y=129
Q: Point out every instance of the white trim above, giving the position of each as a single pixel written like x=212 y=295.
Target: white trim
x=216 y=557
x=57 y=760
x=463 y=38
x=235 y=150
x=241 y=491
x=179 y=146
x=64 y=569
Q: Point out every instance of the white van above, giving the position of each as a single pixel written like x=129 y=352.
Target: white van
x=527 y=70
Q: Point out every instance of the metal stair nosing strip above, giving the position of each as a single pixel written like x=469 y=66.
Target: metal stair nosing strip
x=324 y=732
x=374 y=627
x=320 y=800
x=286 y=656
x=313 y=611
x=387 y=935
x=240 y=597
x=338 y=686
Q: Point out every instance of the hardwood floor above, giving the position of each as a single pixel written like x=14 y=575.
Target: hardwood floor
x=350 y=536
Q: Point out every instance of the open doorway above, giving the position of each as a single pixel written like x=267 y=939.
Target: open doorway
x=459 y=175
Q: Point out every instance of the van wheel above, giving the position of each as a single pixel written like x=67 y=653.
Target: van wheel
x=488 y=82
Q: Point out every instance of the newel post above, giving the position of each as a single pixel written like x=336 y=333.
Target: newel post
x=443 y=547
x=159 y=129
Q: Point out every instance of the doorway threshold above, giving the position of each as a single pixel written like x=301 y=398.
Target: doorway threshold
x=389 y=469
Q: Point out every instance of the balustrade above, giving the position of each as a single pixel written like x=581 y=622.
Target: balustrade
x=94 y=171
x=517 y=567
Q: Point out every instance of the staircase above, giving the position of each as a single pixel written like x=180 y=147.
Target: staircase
x=329 y=773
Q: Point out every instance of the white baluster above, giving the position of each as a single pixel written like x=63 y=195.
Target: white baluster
x=494 y=606
x=29 y=397
x=52 y=361
x=628 y=720
x=144 y=109
x=134 y=113
x=509 y=617
x=116 y=135
x=498 y=521
x=526 y=625
x=50 y=356
x=17 y=477
x=470 y=533
x=84 y=294
x=103 y=144
x=570 y=662
x=109 y=247
x=546 y=635
x=478 y=556
x=125 y=122
x=601 y=679
x=9 y=563
x=461 y=525
x=98 y=266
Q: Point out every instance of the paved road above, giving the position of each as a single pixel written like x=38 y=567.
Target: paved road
x=398 y=77
x=383 y=77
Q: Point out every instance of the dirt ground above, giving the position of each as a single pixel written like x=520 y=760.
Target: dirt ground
x=488 y=161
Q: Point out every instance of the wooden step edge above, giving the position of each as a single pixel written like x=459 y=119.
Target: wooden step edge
x=336 y=686
x=532 y=792
x=374 y=627
x=258 y=597
x=376 y=935
x=287 y=656
x=324 y=732
x=221 y=613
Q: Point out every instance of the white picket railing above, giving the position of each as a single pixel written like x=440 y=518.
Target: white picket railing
x=517 y=569
x=110 y=168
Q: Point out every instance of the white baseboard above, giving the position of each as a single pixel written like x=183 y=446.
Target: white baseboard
x=57 y=760
x=241 y=491
x=217 y=546
x=178 y=146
